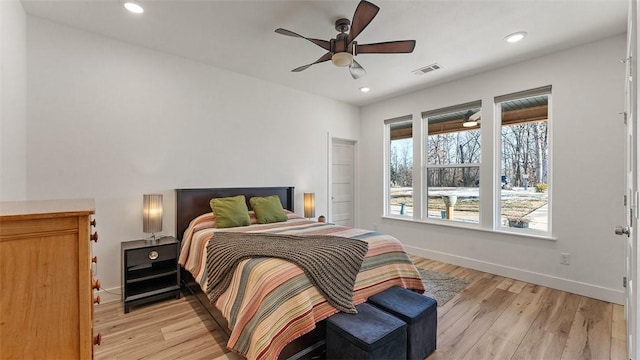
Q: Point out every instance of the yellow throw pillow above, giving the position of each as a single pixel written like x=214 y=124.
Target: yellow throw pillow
x=230 y=211
x=268 y=209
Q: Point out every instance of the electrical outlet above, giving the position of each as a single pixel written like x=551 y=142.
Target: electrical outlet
x=564 y=259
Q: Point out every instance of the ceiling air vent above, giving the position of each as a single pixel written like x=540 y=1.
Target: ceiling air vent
x=426 y=69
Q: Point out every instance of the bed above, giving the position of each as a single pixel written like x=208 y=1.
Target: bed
x=270 y=310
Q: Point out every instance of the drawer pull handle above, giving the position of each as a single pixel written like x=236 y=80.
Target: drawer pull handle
x=97 y=340
x=96 y=284
x=153 y=255
x=96 y=300
x=94 y=236
x=93 y=223
x=94 y=259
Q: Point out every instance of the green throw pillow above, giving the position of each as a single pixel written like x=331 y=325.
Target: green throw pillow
x=230 y=211
x=268 y=209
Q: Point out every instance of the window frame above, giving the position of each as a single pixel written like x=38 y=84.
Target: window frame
x=425 y=115
x=497 y=216
x=489 y=166
x=387 y=165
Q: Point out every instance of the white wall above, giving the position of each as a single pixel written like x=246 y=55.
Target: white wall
x=13 y=101
x=588 y=138
x=112 y=121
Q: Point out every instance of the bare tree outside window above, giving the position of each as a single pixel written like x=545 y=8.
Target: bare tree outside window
x=524 y=159
x=401 y=168
x=402 y=163
x=453 y=164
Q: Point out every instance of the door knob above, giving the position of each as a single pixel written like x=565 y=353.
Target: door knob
x=622 y=230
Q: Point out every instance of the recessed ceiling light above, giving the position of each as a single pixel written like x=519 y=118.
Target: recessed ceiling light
x=134 y=7
x=515 y=37
x=365 y=89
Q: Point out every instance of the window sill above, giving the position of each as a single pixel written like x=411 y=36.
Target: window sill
x=473 y=227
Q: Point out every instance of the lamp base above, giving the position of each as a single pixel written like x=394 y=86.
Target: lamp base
x=152 y=240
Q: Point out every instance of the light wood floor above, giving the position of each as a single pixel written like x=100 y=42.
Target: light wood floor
x=492 y=318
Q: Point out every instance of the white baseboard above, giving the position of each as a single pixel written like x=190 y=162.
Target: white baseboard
x=576 y=287
x=110 y=295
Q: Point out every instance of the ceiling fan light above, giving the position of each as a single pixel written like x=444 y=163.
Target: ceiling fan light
x=133 y=6
x=469 y=123
x=342 y=59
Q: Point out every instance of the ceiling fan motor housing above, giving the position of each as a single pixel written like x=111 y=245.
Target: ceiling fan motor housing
x=342 y=25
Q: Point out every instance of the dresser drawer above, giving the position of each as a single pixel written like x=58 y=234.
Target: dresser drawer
x=149 y=255
x=37 y=227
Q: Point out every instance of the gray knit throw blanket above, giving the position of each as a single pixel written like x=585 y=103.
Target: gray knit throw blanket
x=331 y=263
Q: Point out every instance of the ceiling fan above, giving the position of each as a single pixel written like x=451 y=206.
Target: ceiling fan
x=343 y=49
x=471 y=119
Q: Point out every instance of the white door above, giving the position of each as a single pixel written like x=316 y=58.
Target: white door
x=631 y=185
x=343 y=156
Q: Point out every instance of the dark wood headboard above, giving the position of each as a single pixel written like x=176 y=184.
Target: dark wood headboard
x=191 y=203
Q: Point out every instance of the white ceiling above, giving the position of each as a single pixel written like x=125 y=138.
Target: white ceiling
x=464 y=37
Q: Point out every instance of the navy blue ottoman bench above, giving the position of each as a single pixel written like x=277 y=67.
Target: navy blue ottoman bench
x=369 y=334
x=418 y=311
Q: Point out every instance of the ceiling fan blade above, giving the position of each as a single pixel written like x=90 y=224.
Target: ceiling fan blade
x=356 y=70
x=365 y=12
x=325 y=57
x=475 y=117
x=322 y=43
x=391 y=47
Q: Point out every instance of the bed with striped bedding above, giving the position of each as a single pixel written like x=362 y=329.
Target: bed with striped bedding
x=270 y=301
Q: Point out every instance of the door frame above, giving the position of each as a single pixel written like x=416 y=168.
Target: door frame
x=632 y=182
x=330 y=142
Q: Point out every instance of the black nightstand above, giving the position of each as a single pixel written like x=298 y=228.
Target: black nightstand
x=150 y=271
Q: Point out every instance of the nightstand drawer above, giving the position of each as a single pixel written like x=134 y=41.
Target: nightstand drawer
x=151 y=254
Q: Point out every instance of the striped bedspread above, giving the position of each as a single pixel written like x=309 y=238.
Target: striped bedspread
x=270 y=302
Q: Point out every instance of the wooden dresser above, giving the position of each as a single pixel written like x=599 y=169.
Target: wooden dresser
x=46 y=296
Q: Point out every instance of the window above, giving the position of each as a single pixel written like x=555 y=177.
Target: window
x=399 y=134
x=452 y=163
x=513 y=156
x=524 y=160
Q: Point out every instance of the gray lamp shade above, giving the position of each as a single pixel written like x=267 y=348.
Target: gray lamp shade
x=152 y=213
x=309 y=205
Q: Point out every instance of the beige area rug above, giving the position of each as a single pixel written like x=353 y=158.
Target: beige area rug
x=441 y=287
